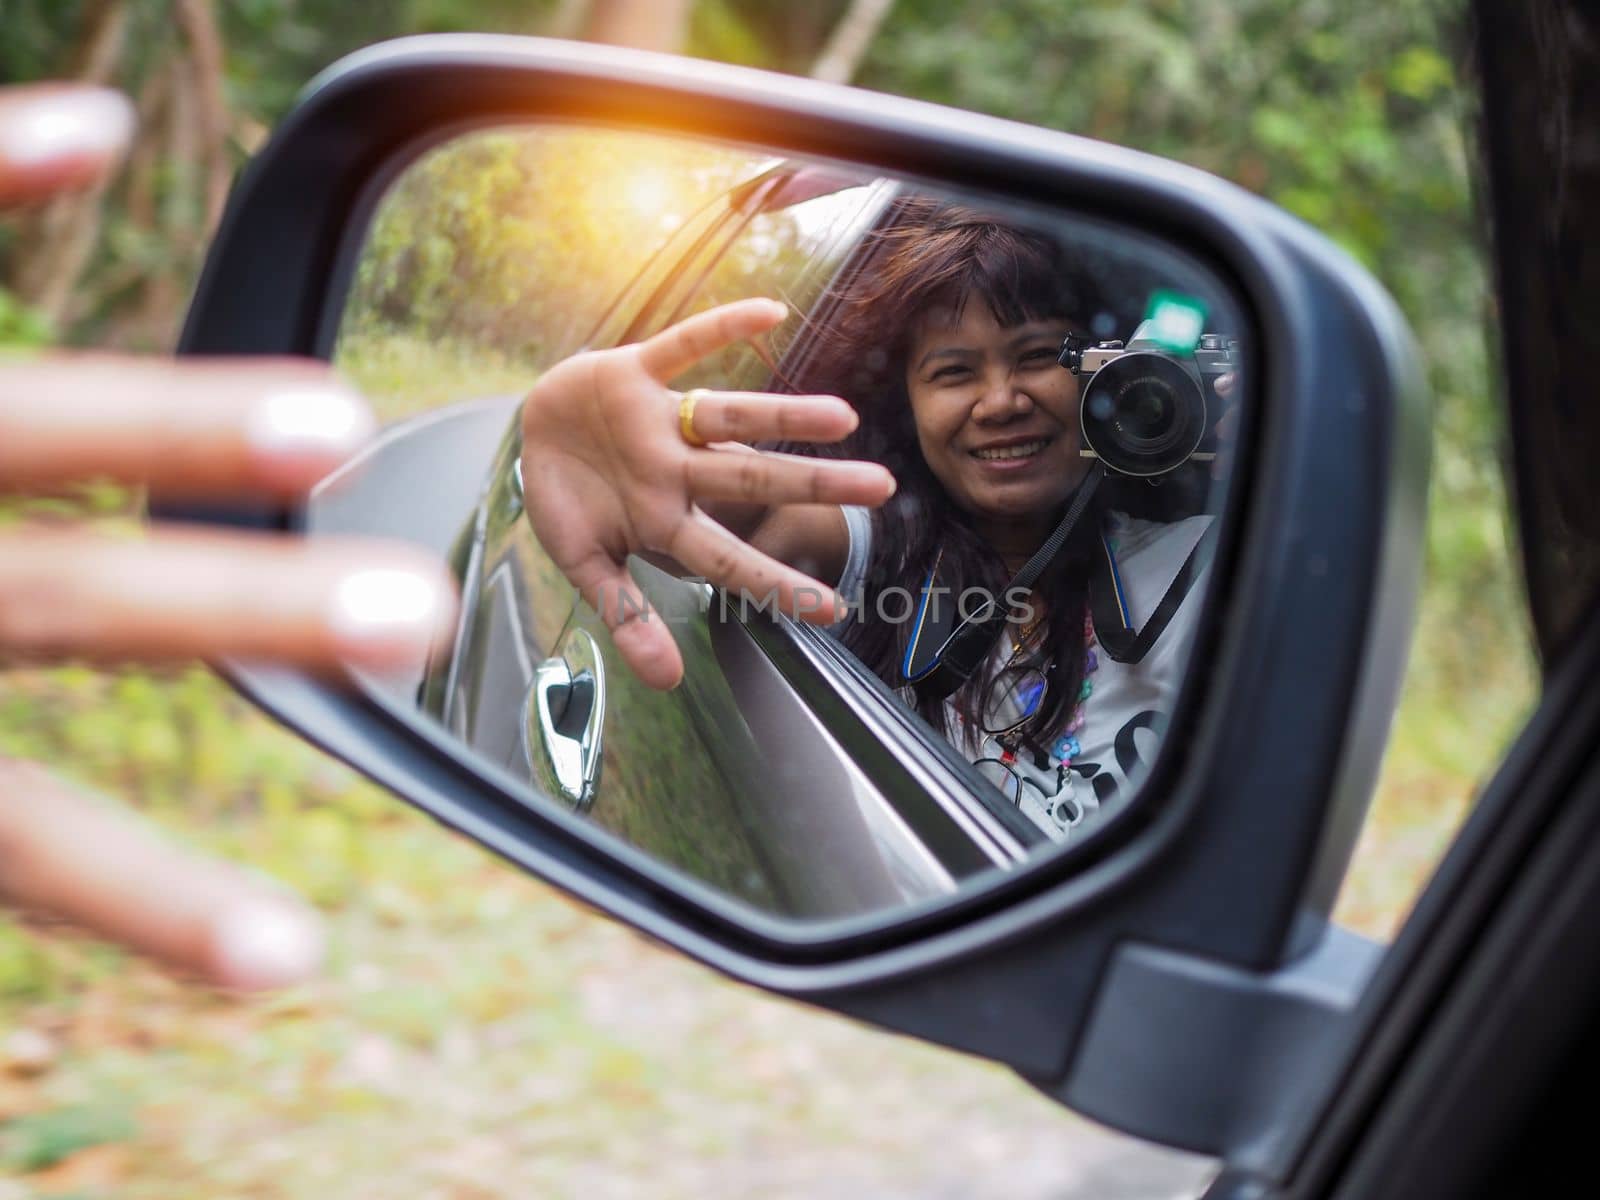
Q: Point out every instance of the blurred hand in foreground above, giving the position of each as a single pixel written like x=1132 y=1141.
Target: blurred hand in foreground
x=210 y=431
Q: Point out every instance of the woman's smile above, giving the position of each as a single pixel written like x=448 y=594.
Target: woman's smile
x=1012 y=455
x=996 y=416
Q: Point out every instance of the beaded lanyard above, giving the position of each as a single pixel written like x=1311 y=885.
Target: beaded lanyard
x=1066 y=746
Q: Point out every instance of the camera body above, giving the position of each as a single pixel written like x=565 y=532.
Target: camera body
x=1145 y=409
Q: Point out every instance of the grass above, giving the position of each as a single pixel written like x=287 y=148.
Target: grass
x=403 y=376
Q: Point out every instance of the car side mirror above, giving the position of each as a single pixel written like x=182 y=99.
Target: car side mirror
x=795 y=814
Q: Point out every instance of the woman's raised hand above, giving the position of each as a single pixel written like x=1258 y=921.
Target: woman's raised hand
x=609 y=470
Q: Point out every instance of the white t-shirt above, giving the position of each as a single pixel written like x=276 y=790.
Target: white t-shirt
x=1128 y=704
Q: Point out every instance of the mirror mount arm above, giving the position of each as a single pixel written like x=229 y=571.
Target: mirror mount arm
x=1212 y=1074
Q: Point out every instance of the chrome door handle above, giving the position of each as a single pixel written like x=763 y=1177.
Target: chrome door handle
x=566 y=710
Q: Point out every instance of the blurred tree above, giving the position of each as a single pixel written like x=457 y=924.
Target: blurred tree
x=55 y=245
x=645 y=24
x=465 y=246
x=851 y=37
x=209 y=77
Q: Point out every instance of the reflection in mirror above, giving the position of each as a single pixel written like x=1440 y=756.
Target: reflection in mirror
x=939 y=637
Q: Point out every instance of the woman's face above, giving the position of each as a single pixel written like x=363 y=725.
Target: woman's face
x=996 y=415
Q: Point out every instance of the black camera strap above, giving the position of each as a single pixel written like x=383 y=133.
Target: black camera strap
x=1112 y=624
x=939 y=662
x=947 y=649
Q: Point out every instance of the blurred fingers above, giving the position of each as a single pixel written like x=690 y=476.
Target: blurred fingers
x=59 y=137
x=184 y=594
x=759 y=416
x=674 y=350
x=1226 y=429
x=639 y=633
x=65 y=856
x=184 y=427
x=754 y=579
x=770 y=479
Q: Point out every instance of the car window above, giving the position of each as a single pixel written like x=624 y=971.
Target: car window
x=700 y=239
x=790 y=252
x=450 y=299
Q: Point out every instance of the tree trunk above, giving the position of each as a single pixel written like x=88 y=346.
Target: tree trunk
x=645 y=24
x=568 y=19
x=105 y=34
x=198 y=20
x=841 y=58
x=57 y=244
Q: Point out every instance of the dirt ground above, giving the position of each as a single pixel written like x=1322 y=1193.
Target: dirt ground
x=513 y=1045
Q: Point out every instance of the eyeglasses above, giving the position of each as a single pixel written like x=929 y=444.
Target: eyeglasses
x=1013 y=698
x=1062 y=809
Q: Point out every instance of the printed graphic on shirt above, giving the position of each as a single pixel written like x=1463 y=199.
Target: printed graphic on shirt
x=1108 y=748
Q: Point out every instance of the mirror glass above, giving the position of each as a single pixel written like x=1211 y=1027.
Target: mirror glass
x=1054 y=395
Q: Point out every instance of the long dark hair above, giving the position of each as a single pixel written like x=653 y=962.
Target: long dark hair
x=935 y=256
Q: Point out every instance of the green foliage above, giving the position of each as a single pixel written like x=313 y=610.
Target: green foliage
x=20 y=326
x=39 y=1140
x=758 y=33
x=402 y=376
x=516 y=242
x=276 y=46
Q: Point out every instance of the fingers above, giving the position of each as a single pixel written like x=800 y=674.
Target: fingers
x=760 y=416
x=756 y=580
x=674 y=350
x=186 y=428
x=771 y=479
x=59 y=137
x=1226 y=429
x=185 y=594
x=640 y=635
x=65 y=856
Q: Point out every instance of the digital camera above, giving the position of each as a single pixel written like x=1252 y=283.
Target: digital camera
x=1145 y=409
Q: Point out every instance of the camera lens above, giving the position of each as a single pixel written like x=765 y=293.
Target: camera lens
x=1143 y=414
x=1144 y=411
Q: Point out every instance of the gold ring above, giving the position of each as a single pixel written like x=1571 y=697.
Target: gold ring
x=686 y=416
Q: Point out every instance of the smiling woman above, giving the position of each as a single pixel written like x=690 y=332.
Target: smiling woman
x=962 y=320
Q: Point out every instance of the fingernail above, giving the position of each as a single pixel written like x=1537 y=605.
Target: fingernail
x=378 y=606
x=266 y=944
x=65 y=124
x=309 y=420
